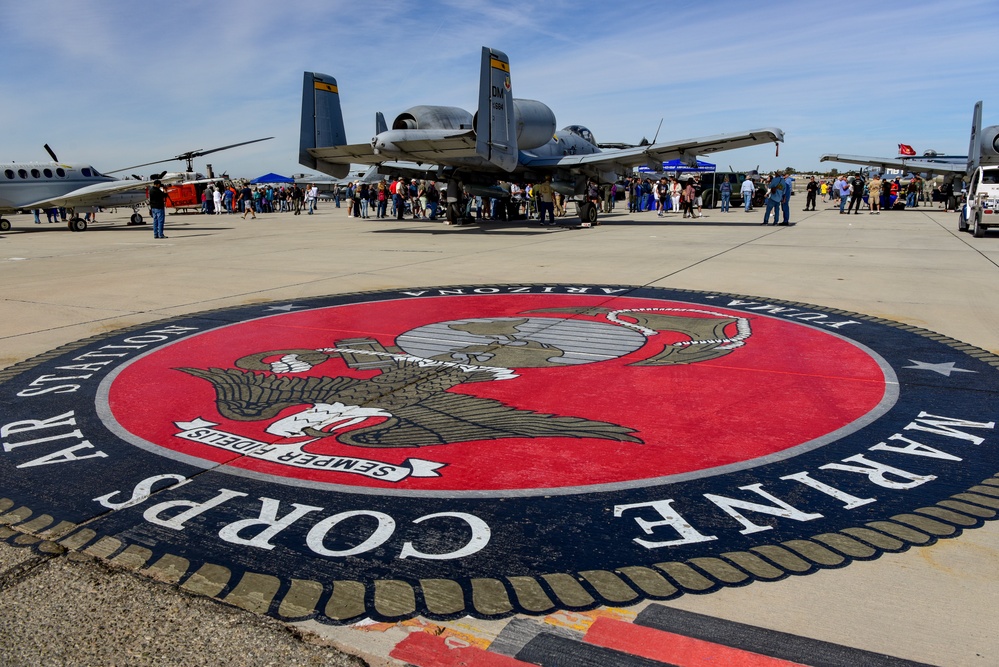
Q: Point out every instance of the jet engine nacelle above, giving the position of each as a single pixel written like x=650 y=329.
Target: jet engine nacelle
x=535 y=123
x=990 y=144
x=426 y=117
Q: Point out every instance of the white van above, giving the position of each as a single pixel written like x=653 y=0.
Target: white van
x=981 y=207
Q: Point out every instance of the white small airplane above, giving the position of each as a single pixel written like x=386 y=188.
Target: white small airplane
x=42 y=185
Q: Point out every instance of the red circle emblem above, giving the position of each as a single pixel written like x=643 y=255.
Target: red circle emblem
x=497 y=394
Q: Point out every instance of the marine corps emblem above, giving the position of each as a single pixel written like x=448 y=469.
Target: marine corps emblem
x=490 y=450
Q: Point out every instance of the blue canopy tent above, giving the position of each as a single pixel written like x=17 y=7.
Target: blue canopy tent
x=674 y=167
x=271 y=178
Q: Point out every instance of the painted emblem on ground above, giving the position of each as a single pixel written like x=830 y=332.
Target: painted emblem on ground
x=490 y=450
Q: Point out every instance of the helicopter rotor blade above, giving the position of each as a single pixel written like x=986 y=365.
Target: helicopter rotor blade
x=136 y=166
x=190 y=155
x=199 y=152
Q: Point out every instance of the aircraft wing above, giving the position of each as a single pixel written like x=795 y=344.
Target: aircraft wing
x=359 y=153
x=92 y=195
x=915 y=165
x=436 y=146
x=654 y=155
x=433 y=150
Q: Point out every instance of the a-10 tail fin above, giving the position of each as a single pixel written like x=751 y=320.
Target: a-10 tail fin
x=495 y=121
x=975 y=147
x=322 y=123
x=380 y=124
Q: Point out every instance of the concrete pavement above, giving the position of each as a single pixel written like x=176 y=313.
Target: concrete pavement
x=929 y=604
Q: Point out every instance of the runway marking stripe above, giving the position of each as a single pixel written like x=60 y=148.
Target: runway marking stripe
x=794 y=648
x=673 y=648
x=549 y=650
x=426 y=650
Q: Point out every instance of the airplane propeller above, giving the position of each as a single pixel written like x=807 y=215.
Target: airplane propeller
x=189 y=156
x=49 y=151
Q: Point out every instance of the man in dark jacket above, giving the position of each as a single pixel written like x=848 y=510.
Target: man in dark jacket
x=856 y=194
x=157 y=208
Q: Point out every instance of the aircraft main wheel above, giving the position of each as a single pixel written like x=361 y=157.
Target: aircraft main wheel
x=588 y=213
x=136 y=219
x=77 y=225
x=453 y=213
x=4 y=225
x=962 y=220
x=979 y=231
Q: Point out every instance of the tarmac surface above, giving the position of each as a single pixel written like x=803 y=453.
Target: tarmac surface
x=63 y=603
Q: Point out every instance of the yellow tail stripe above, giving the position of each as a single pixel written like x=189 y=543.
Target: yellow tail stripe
x=499 y=64
x=326 y=86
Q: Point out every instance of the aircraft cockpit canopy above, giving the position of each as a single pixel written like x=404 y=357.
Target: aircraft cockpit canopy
x=583 y=132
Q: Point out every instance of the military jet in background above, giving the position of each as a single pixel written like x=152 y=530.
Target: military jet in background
x=41 y=185
x=507 y=138
x=983 y=149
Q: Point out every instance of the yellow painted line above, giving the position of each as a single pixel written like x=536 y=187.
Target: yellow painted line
x=326 y=86
x=499 y=64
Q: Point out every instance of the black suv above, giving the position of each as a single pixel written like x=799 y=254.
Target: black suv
x=711 y=183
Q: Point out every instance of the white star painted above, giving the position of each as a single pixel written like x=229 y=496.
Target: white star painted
x=945 y=368
x=286 y=307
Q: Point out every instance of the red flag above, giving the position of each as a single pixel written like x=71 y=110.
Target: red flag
x=906 y=149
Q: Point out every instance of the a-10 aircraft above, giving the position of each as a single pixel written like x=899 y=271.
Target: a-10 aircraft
x=506 y=139
x=983 y=149
x=41 y=185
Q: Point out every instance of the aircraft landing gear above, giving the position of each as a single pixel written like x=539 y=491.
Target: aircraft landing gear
x=453 y=214
x=587 y=212
x=4 y=225
x=136 y=219
x=76 y=224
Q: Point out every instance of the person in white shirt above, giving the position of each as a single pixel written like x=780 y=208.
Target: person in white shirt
x=747 y=190
x=217 y=201
x=311 y=196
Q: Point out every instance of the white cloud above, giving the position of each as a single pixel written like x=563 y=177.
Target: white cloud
x=116 y=83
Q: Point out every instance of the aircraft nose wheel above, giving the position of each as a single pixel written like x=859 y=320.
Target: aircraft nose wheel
x=136 y=219
x=4 y=225
x=77 y=225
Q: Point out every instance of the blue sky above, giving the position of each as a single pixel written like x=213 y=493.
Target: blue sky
x=118 y=83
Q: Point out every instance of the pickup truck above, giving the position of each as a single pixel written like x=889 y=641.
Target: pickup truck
x=981 y=207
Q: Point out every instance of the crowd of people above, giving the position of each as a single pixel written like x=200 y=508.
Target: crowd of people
x=220 y=198
x=422 y=200
x=878 y=194
x=683 y=195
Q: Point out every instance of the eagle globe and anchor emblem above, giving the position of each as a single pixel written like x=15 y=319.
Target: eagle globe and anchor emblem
x=408 y=401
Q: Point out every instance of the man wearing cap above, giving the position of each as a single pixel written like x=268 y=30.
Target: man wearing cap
x=857 y=184
x=747 y=190
x=157 y=208
x=546 y=200
x=775 y=193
